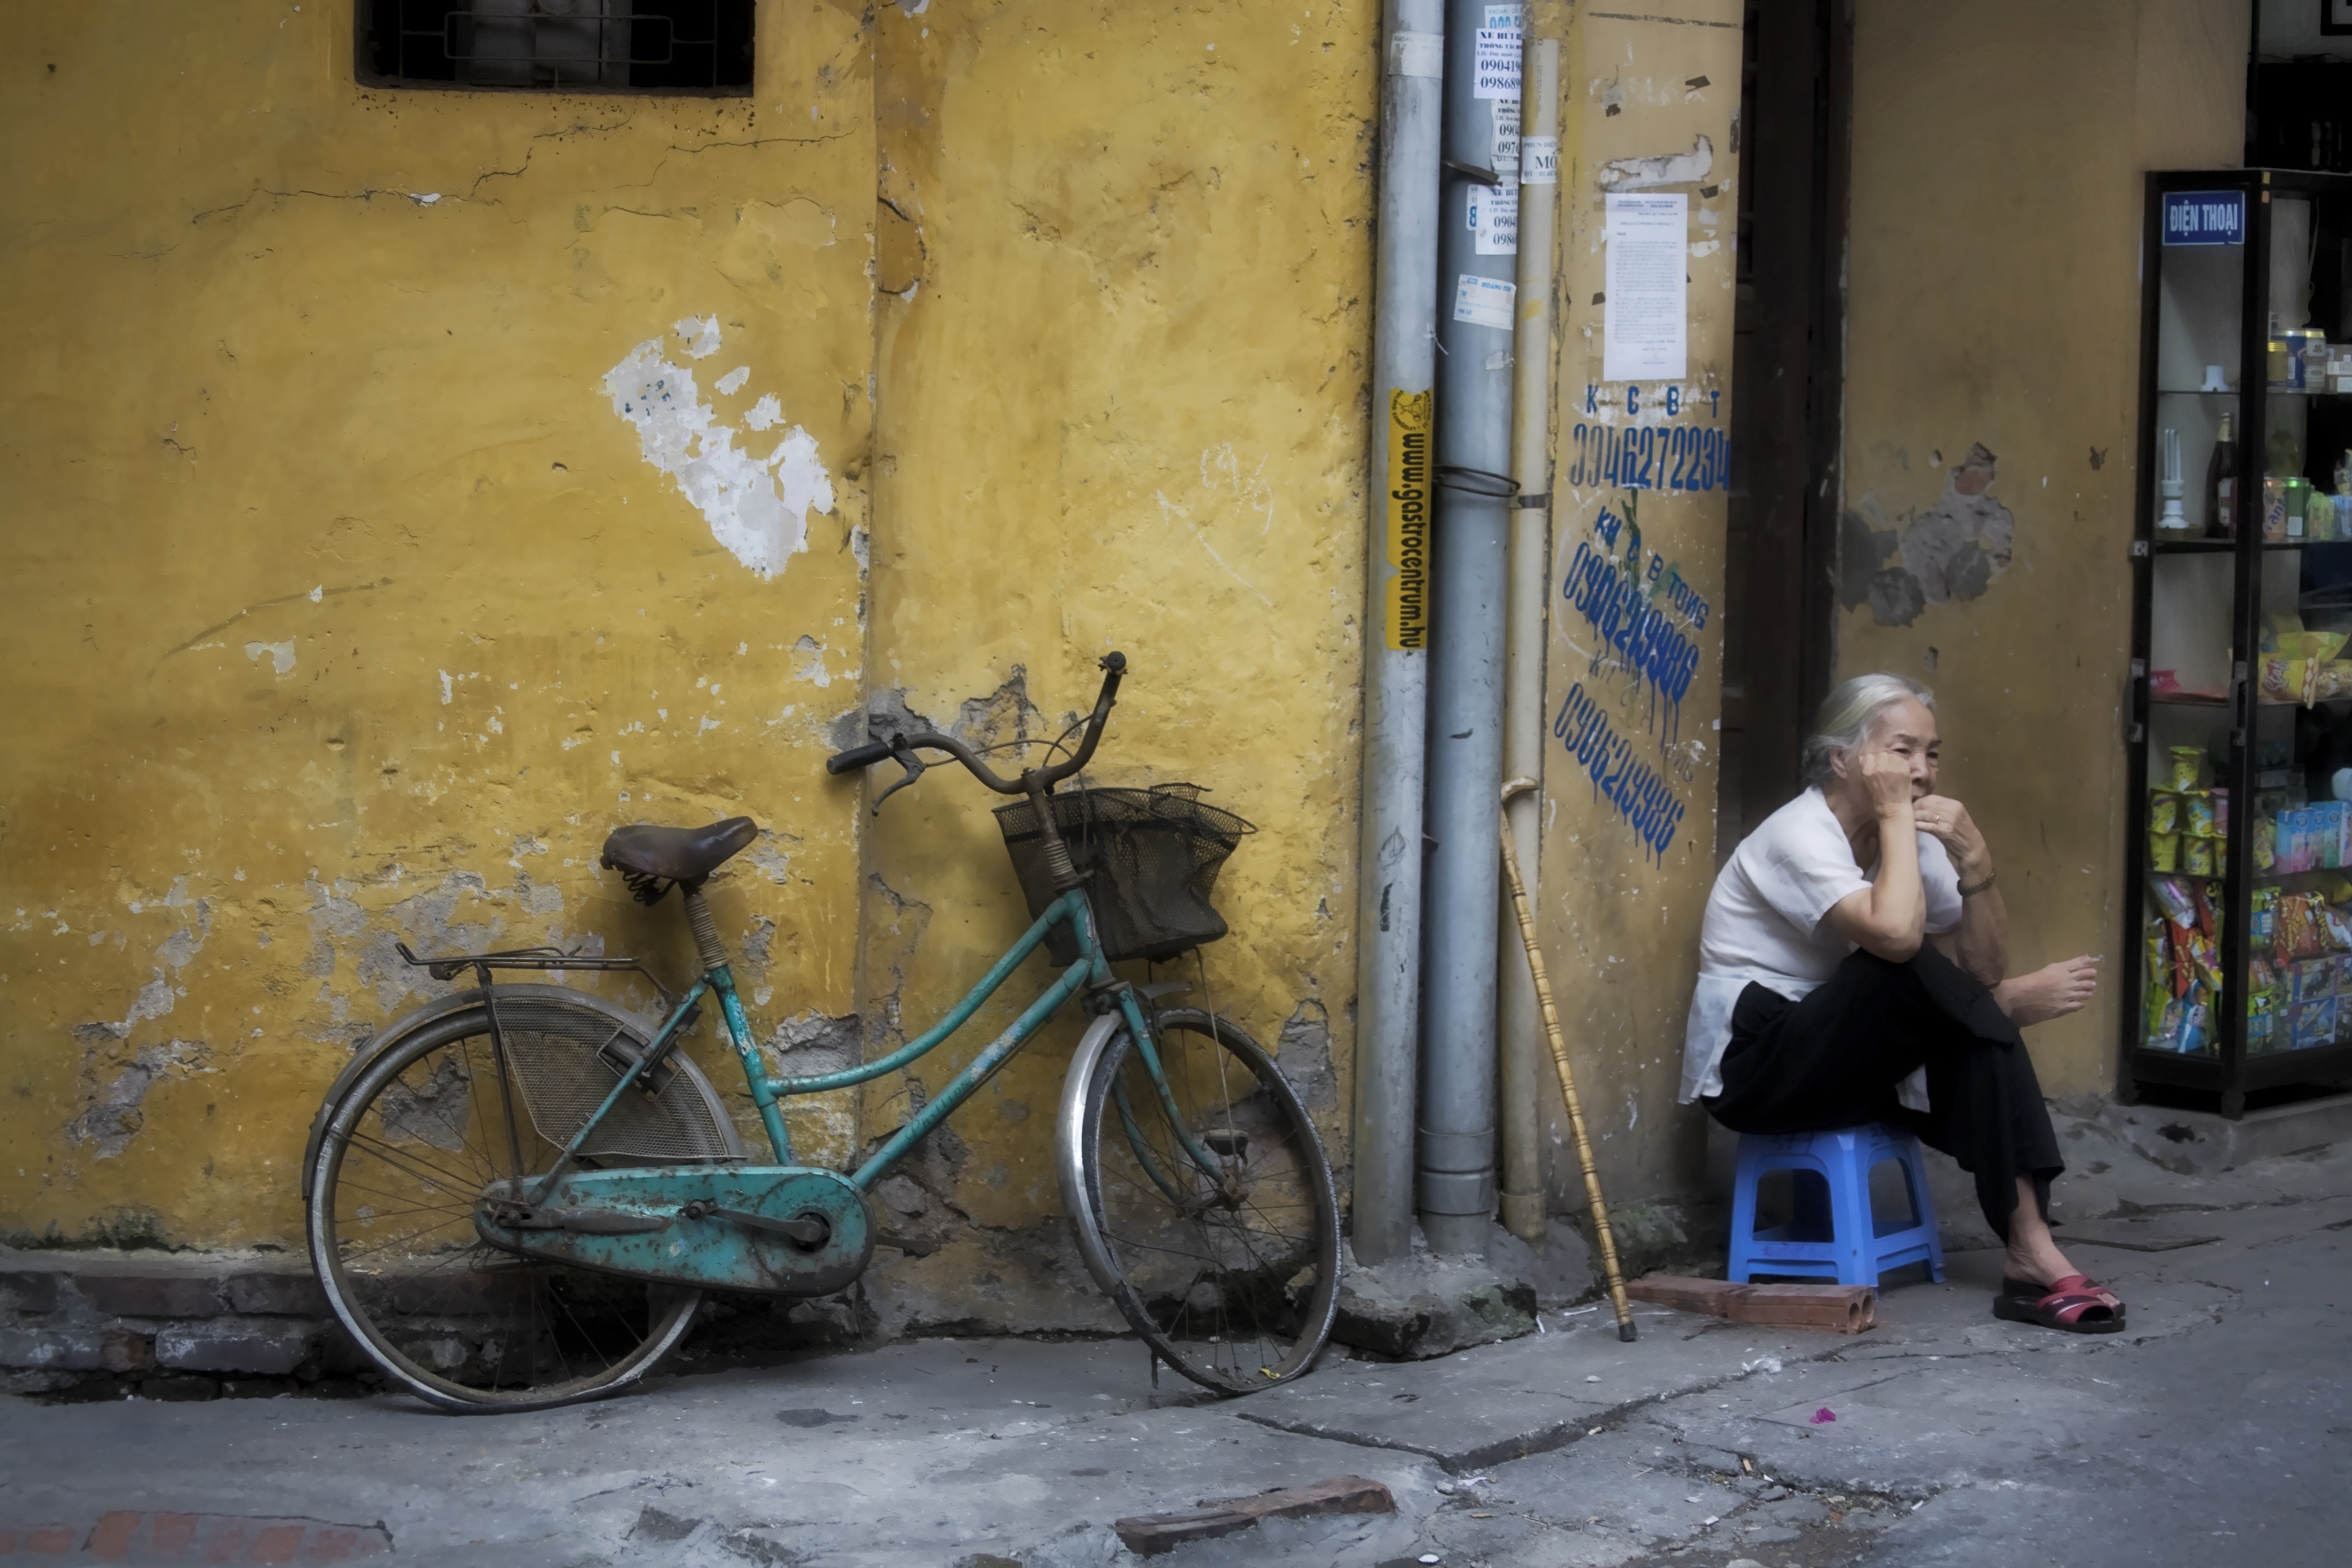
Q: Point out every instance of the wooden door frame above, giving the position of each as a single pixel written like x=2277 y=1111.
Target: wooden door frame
x=1787 y=399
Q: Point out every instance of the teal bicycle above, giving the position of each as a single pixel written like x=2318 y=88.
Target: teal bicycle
x=517 y=1195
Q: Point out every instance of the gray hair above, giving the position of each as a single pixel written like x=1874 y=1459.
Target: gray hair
x=1847 y=714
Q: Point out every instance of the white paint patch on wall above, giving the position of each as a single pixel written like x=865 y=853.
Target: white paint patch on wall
x=732 y=382
x=757 y=506
x=281 y=653
x=702 y=335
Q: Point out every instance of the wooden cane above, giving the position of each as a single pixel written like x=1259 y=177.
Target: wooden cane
x=1625 y=1329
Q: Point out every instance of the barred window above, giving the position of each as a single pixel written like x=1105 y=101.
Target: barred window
x=559 y=45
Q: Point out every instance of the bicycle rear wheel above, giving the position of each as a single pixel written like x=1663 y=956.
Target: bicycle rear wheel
x=408 y=1149
x=1229 y=1269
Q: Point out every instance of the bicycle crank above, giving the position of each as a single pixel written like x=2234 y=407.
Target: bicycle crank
x=783 y=1230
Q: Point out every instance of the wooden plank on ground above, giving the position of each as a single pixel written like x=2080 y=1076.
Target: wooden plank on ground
x=1145 y=1534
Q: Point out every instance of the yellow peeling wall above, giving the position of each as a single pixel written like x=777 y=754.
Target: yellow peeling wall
x=349 y=605
x=1122 y=368
x=1994 y=301
x=1630 y=773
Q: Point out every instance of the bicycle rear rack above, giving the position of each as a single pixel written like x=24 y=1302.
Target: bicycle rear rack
x=448 y=966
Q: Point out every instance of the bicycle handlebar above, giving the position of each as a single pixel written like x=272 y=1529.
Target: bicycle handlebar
x=864 y=756
x=904 y=747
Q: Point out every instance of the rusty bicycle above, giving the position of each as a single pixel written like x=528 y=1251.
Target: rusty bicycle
x=518 y=1194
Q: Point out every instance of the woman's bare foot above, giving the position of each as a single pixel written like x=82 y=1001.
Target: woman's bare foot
x=2032 y=1252
x=2050 y=992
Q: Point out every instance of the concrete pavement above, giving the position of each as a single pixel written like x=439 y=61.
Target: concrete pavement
x=2218 y=1427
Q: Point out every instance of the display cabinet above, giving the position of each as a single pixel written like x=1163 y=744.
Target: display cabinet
x=2239 y=915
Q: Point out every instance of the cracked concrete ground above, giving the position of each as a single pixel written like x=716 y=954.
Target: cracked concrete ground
x=2217 y=1427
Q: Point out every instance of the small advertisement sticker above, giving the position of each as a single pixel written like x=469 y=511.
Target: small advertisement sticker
x=1540 y=160
x=1494 y=217
x=1408 y=517
x=2204 y=217
x=1484 y=302
x=1495 y=56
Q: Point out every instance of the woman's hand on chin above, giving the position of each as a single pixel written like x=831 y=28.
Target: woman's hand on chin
x=2050 y=992
x=1885 y=782
x=1948 y=822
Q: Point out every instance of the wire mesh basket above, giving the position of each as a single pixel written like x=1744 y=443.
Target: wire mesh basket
x=1151 y=858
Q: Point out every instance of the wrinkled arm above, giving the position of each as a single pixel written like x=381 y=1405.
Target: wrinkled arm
x=1889 y=918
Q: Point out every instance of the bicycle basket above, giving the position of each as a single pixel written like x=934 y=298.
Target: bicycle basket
x=1149 y=857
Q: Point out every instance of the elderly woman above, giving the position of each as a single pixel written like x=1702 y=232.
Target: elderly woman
x=1852 y=968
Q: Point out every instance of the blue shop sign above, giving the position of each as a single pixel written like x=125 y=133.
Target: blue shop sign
x=2204 y=217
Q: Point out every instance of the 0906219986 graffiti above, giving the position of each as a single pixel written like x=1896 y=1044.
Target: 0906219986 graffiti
x=1645 y=800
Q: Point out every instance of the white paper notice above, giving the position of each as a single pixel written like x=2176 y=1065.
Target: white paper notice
x=1495 y=56
x=1644 y=332
x=1540 y=160
x=1494 y=216
x=1484 y=302
x=1504 y=142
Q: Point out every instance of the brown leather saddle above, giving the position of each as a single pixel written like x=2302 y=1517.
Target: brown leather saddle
x=650 y=859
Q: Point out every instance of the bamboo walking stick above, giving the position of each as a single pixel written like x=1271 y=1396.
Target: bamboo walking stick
x=1625 y=1329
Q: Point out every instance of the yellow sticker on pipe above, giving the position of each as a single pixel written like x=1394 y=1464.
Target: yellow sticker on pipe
x=1408 y=531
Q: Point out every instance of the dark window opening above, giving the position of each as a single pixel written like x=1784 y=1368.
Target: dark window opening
x=559 y=45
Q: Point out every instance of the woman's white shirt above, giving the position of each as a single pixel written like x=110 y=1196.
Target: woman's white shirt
x=1766 y=924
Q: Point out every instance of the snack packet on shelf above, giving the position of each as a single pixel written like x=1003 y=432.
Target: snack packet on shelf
x=2285 y=679
x=2175 y=898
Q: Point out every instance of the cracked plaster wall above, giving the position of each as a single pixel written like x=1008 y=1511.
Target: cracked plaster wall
x=1122 y=337
x=353 y=612
x=358 y=611
x=1994 y=309
x=1650 y=102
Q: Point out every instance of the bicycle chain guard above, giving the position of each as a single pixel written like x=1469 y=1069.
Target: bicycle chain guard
x=777 y=1230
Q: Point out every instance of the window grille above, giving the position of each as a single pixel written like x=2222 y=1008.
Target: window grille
x=559 y=45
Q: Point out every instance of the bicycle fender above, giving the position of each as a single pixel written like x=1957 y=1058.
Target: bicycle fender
x=455 y=1002
x=1069 y=1147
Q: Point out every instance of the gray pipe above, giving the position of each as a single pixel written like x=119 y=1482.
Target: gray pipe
x=1469 y=566
x=1396 y=670
x=1525 y=1075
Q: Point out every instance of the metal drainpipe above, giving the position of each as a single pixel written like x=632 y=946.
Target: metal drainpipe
x=1520 y=1022
x=1469 y=572
x=1396 y=667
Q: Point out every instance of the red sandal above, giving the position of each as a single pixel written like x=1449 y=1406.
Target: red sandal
x=2076 y=1305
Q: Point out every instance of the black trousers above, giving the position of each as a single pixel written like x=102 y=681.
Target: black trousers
x=1834 y=1060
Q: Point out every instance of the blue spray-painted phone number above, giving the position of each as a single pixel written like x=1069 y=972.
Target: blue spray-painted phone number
x=1651 y=458
x=1643 y=798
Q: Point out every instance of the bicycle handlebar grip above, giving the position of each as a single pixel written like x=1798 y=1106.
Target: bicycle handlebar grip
x=864 y=756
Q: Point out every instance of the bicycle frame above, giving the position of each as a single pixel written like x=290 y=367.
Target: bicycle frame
x=1091 y=971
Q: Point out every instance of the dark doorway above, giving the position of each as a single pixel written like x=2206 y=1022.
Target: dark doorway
x=1795 y=108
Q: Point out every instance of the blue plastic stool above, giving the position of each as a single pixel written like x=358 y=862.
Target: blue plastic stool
x=1834 y=1235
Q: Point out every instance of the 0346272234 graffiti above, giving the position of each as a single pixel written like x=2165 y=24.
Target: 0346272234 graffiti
x=1645 y=800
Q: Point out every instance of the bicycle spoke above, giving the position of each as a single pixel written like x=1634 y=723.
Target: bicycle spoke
x=1211 y=1255
x=393 y=1223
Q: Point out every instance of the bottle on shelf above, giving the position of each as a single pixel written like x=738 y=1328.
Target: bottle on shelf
x=2341 y=501
x=2221 y=484
x=2285 y=492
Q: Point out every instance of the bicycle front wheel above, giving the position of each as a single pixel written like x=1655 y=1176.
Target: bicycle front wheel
x=407 y=1150
x=1211 y=1205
